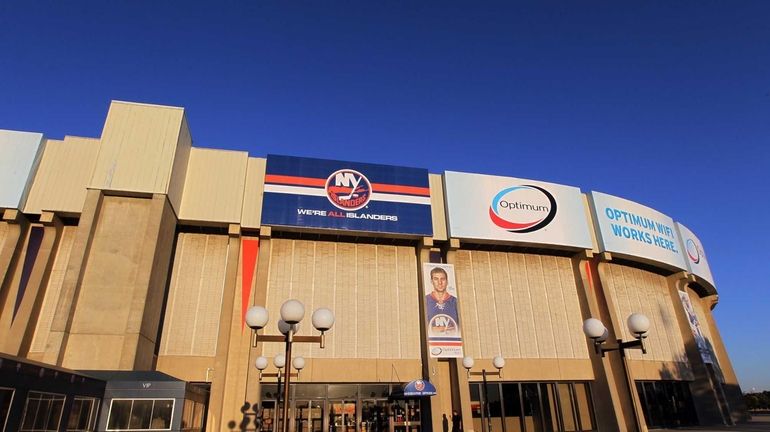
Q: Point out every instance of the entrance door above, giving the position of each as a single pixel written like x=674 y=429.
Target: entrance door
x=342 y=416
x=406 y=415
x=308 y=416
x=375 y=416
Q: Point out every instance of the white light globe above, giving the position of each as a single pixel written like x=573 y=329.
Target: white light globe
x=604 y=336
x=261 y=363
x=279 y=361
x=284 y=327
x=323 y=319
x=468 y=362
x=638 y=324
x=498 y=362
x=292 y=311
x=298 y=363
x=593 y=328
x=256 y=317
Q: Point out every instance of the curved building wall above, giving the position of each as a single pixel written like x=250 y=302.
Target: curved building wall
x=634 y=290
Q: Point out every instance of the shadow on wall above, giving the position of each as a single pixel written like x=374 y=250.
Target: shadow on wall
x=250 y=421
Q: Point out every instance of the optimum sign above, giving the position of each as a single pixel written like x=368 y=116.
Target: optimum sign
x=522 y=209
x=487 y=207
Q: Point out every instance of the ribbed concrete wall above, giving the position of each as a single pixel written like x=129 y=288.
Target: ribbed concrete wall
x=372 y=290
x=519 y=306
x=635 y=290
x=191 y=323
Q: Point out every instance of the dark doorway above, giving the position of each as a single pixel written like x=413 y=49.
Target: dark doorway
x=666 y=404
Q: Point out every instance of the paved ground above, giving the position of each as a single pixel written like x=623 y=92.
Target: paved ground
x=759 y=423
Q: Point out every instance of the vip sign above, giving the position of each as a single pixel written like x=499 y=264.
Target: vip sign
x=488 y=207
x=319 y=193
x=633 y=231
x=696 y=257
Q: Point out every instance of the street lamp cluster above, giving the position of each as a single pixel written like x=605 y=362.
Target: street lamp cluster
x=638 y=325
x=292 y=313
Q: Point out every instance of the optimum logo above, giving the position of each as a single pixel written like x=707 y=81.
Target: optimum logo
x=348 y=189
x=522 y=209
x=692 y=251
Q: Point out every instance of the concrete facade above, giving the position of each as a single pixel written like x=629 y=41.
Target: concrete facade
x=148 y=261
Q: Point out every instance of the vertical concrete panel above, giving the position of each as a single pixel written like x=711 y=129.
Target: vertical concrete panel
x=366 y=295
x=52 y=291
x=556 y=308
x=572 y=307
x=409 y=313
x=179 y=166
x=485 y=302
x=543 y=326
x=387 y=303
x=525 y=318
x=346 y=294
x=437 y=206
x=469 y=313
x=252 y=193
x=506 y=309
x=302 y=286
x=324 y=266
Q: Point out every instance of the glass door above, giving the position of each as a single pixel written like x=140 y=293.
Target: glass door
x=406 y=415
x=375 y=416
x=342 y=416
x=308 y=416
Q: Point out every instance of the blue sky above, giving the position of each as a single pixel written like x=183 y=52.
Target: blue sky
x=667 y=105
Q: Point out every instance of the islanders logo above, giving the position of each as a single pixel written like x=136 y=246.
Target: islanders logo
x=419 y=385
x=443 y=325
x=348 y=189
x=692 y=251
x=522 y=209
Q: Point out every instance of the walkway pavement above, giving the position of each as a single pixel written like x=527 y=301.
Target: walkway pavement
x=758 y=423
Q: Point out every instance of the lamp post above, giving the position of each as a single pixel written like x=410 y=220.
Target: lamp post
x=292 y=312
x=498 y=362
x=638 y=325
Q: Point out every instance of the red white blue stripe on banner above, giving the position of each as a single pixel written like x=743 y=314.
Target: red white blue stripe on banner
x=319 y=193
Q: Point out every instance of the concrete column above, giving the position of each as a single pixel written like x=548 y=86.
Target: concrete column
x=73 y=277
x=702 y=389
x=28 y=285
x=228 y=385
x=10 y=251
x=461 y=391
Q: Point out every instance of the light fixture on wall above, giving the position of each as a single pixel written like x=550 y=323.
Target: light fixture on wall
x=638 y=325
x=292 y=312
x=498 y=362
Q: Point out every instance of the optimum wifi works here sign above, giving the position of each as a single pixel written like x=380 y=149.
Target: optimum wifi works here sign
x=351 y=196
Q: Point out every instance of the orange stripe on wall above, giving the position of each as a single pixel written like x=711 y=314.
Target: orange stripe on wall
x=250 y=248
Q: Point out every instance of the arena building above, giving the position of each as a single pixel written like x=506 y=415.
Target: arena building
x=129 y=261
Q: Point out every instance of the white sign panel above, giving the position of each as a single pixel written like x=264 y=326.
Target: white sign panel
x=631 y=229
x=441 y=314
x=693 y=250
x=20 y=152
x=504 y=208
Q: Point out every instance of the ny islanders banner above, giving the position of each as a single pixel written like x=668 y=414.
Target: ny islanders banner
x=320 y=193
x=442 y=320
